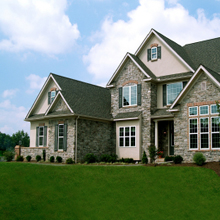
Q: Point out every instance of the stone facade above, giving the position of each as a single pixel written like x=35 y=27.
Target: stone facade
x=195 y=97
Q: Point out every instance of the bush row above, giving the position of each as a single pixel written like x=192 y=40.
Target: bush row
x=176 y=159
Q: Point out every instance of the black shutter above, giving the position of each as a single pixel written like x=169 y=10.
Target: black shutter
x=56 y=138
x=148 y=54
x=65 y=138
x=45 y=136
x=158 y=52
x=164 y=94
x=37 y=135
x=184 y=83
x=120 y=97
x=139 y=94
x=49 y=95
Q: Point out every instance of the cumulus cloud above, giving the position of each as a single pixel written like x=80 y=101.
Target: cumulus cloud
x=168 y=17
x=36 y=82
x=9 y=93
x=12 y=118
x=40 y=26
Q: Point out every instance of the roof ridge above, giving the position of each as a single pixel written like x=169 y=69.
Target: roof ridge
x=78 y=81
x=202 y=41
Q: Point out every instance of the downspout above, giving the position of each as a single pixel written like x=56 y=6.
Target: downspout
x=76 y=140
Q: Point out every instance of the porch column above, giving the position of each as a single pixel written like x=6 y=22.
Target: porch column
x=156 y=134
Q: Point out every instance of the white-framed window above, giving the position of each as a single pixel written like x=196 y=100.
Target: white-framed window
x=153 y=53
x=173 y=90
x=214 y=109
x=215 y=133
x=204 y=133
x=127 y=136
x=60 y=136
x=193 y=111
x=41 y=136
x=204 y=110
x=129 y=95
x=52 y=96
x=193 y=133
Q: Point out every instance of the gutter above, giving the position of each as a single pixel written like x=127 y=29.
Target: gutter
x=76 y=140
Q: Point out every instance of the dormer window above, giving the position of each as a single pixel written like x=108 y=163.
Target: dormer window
x=154 y=53
x=51 y=95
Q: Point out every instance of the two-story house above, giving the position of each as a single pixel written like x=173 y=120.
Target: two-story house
x=164 y=94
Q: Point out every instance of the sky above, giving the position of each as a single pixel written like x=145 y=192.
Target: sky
x=85 y=40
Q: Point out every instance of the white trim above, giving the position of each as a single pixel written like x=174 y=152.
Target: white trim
x=193 y=134
x=41 y=91
x=60 y=137
x=197 y=111
x=126 y=119
x=110 y=86
x=200 y=132
x=200 y=110
x=129 y=91
x=154 y=54
x=174 y=52
x=42 y=136
x=214 y=132
x=132 y=126
x=191 y=80
x=56 y=97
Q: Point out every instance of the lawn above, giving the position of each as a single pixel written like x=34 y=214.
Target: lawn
x=32 y=191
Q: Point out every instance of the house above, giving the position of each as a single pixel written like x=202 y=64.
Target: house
x=164 y=94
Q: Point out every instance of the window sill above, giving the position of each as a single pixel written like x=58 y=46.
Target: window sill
x=130 y=106
x=60 y=151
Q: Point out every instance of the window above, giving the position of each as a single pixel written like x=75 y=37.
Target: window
x=215 y=133
x=193 y=111
x=214 y=109
x=193 y=133
x=173 y=91
x=127 y=136
x=129 y=95
x=60 y=136
x=204 y=110
x=51 y=96
x=154 y=53
x=204 y=133
x=41 y=136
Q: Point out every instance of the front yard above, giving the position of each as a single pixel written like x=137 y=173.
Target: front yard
x=36 y=191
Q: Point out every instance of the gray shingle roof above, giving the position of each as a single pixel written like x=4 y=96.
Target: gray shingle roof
x=127 y=115
x=213 y=73
x=84 y=98
x=161 y=113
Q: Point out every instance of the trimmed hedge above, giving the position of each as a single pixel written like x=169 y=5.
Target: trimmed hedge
x=199 y=159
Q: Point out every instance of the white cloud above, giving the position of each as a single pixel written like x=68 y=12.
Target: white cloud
x=36 y=82
x=117 y=38
x=9 y=93
x=40 y=26
x=12 y=118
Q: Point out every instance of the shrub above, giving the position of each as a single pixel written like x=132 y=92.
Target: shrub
x=9 y=155
x=59 y=159
x=199 y=159
x=44 y=155
x=128 y=160
x=177 y=159
x=38 y=158
x=69 y=161
x=90 y=158
x=168 y=158
x=52 y=159
x=28 y=158
x=108 y=158
x=152 y=152
x=20 y=158
x=144 y=158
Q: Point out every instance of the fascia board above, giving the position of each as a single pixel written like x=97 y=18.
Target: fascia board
x=174 y=52
x=126 y=119
x=41 y=91
x=52 y=104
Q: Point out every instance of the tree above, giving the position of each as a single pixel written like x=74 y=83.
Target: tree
x=21 y=136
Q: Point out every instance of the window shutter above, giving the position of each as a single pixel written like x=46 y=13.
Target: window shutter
x=164 y=94
x=37 y=134
x=158 y=52
x=148 y=54
x=120 y=97
x=184 y=83
x=45 y=136
x=56 y=138
x=49 y=94
x=65 y=138
x=139 y=94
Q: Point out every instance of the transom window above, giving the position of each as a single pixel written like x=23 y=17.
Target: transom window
x=215 y=133
x=173 y=91
x=60 y=136
x=41 y=136
x=204 y=110
x=130 y=95
x=153 y=53
x=127 y=136
x=214 y=109
x=193 y=111
x=204 y=133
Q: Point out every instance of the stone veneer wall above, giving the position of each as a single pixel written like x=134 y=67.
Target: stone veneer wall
x=95 y=137
x=130 y=73
x=195 y=97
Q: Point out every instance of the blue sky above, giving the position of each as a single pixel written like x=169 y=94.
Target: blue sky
x=85 y=40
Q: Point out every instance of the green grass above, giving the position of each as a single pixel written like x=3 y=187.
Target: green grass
x=31 y=191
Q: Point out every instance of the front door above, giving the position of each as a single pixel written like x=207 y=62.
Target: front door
x=171 y=138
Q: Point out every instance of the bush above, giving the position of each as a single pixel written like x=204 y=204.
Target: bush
x=144 y=158
x=28 y=158
x=108 y=158
x=128 y=160
x=38 y=158
x=59 y=159
x=52 y=159
x=168 y=158
x=177 y=159
x=152 y=152
x=9 y=155
x=44 y=155
x=90 y=158
x=199 y=159
x=69 y=161
x=20 y=158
